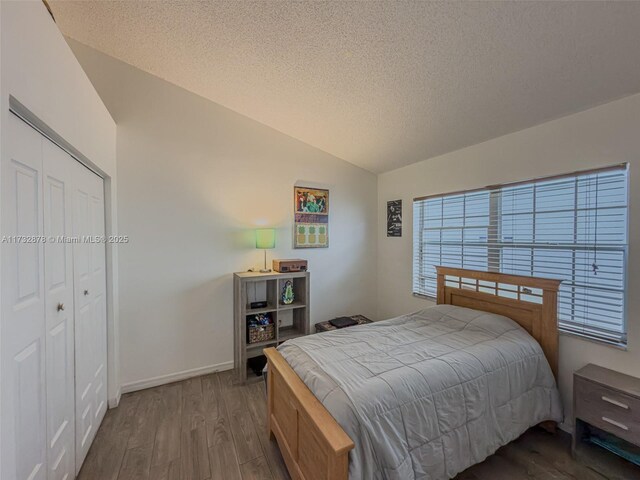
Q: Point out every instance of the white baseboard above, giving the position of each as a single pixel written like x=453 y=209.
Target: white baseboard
x=175 y=377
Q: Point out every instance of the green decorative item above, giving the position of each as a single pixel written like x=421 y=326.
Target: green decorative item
x=287 y=293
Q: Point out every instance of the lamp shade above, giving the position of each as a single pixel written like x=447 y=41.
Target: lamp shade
x=265 y=238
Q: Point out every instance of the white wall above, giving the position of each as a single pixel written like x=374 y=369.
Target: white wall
x=604 y=135
x=194 y=180
x=38 y=68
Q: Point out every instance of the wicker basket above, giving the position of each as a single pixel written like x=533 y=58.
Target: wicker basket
x=261 y=333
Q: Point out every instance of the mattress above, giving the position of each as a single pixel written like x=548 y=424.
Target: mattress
x=426 y=395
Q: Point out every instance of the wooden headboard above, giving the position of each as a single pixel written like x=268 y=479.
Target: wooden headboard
x=531 y=302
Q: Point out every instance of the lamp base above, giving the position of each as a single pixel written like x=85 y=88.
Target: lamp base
x=265 y=269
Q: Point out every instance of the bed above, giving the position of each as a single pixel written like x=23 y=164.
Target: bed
x=424 y=395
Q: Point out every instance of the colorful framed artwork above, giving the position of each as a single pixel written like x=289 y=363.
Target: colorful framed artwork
x=311 y=222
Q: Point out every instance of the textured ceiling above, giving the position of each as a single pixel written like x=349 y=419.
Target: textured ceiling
x=379 y=84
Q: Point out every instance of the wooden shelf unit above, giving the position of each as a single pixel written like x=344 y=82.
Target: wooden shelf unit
x=290 y=321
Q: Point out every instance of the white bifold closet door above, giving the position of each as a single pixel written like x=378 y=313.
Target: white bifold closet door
x=23 y=405
x=58 y=170
x=52 y=334
x=90 y=309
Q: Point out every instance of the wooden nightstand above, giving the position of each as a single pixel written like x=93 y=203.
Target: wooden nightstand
x=606 y=411
x=326 y=326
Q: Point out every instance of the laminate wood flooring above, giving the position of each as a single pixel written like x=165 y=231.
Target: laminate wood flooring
x=208 y=428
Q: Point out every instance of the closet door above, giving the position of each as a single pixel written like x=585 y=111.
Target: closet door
x=90 y=309
x=58 y=169
x=22 y=326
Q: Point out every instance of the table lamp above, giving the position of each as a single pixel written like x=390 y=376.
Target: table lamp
x=265 y=239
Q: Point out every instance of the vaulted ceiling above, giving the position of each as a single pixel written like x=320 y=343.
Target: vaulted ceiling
x=379 y=84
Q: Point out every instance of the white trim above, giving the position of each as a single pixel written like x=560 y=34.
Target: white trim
x=175 y=377
x=115 y=401
x=28 y=117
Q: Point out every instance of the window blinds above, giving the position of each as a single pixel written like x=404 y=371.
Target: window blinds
x=572 y=228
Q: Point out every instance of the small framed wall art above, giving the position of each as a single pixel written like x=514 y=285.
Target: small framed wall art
x=394 y=218
x=311 y=222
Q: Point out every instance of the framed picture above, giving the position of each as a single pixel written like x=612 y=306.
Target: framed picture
x=311 y=222
x=394 y=218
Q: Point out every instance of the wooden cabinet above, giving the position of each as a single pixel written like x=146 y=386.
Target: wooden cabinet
x=290 y=321
x=606 y=408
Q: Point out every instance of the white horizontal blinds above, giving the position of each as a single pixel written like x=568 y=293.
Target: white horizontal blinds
x=573 y=228
x=450 y=230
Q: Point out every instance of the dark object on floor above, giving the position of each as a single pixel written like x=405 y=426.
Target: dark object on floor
x=327 y=326
x=256 y=364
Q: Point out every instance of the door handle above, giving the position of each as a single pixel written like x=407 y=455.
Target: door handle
x=60 y=307
x=86 y=292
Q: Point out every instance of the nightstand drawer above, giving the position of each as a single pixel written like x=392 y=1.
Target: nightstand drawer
x=608 y=410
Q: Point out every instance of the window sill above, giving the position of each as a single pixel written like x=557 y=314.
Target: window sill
x=425 y=297
x=613 y=344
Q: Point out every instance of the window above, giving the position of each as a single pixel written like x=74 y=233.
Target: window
x=572 y=228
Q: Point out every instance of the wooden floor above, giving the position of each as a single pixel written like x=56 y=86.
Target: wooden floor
x=208 y=428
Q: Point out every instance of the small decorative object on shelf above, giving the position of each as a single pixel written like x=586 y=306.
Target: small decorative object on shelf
x=289 y=265
x=287 y=293
x=260 y=328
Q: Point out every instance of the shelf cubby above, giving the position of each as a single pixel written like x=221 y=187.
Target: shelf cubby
x=287 y=333
x=291 y=306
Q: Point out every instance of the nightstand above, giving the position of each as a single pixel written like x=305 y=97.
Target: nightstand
x=606 y=411
x=327 y=327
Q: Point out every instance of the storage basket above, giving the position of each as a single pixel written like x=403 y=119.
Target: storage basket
x=261 y=333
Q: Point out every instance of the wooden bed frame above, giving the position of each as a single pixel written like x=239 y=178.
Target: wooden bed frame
x=313 y=444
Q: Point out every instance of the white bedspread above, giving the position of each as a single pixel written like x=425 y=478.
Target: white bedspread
x=426 y=395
